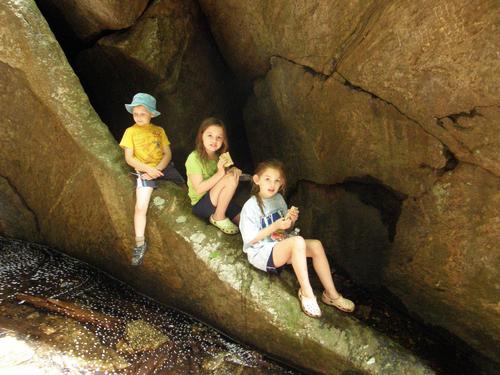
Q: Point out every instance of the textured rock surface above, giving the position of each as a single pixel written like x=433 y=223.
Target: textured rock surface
x=72 y=176
x=16 y=220
x=449 y=237
x=91 y=17
x=312 y=33
x=335 y=132
x=167 y=53
x=436 y=60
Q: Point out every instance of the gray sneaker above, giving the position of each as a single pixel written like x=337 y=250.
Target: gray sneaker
x=138 y=254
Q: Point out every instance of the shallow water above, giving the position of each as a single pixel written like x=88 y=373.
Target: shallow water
x=149 y=339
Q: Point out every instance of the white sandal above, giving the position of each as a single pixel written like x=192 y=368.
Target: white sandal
x=309 y=306
x=340 y=302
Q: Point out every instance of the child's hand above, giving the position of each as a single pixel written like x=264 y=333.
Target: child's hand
x=235 y=171
x=293 y=214
x=283 y=224
x=154 y=173
x=220 y=166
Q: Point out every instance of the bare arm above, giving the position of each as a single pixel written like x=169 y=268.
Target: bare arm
x=267 y=231
x=140 y=166
x=167 y=156
x=202 y=186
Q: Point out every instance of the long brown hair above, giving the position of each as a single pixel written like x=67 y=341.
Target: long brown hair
x=205 y=124
x=261 y=167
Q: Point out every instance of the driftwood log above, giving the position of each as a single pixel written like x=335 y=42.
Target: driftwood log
x=73 y=311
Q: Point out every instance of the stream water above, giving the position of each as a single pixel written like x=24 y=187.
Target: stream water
x=151 y=338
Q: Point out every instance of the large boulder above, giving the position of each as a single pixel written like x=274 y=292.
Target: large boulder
x=447 y=240
x=311 y=33
x=89 y=18
x=169 y=54
x=437 y=63
x=394 y=94
x=67 y=168
x=335 y=132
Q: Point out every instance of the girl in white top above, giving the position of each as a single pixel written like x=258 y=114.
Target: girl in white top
x=266 y=213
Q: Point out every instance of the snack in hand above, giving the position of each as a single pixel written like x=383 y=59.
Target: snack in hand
x=279 y=235
x=227 y=159
x=292 y=209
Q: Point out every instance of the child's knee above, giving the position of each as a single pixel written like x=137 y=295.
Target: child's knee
x=298 y=243
x=141 y=208
x=230 y=180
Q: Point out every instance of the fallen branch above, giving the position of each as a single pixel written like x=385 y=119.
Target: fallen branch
x=73 y=311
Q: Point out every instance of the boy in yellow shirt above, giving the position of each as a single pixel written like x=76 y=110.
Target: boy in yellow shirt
x=147 y=150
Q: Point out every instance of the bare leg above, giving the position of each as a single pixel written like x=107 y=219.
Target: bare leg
x=293 y=251
x=143 y=194
x=221 y=194
x=315 y=250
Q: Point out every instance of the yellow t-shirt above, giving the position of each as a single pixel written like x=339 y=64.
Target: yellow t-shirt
x=194 y=165
x=147 y=142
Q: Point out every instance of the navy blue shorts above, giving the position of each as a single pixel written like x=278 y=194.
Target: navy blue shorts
x=271 y=268
x=169 y=174
x=204 y=208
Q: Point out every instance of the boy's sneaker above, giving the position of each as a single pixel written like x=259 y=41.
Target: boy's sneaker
x=138 y=254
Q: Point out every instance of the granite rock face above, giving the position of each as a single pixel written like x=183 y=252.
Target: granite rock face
x=311 y=33
x=167 y=53
x=449 y=237
x=335 y=132
x=394 y=96
x=89 y=18
x=64 y=164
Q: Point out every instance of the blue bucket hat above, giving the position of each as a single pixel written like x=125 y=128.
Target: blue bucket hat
x=146 y=100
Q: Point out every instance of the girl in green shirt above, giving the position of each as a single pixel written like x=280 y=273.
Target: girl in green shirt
x=211 y=186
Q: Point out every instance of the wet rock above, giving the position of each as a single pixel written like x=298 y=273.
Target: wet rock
x=335 y=132
x=447 y=246
x=90 y=18
x=169 y=54
x=140 y=336
x=76 y=182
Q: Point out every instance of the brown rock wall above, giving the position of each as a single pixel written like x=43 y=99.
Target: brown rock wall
x=91 y=17
x=312 y=33
x=334 y=132
x=448 y=241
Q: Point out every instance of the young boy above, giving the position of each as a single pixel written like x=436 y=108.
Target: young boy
x=147 y=150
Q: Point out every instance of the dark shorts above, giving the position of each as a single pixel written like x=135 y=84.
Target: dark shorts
x=169 y=174
x=271 y=268
x=204 y=208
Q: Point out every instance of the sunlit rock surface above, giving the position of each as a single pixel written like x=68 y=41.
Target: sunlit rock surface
x=72 y=177
x=389 y=95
